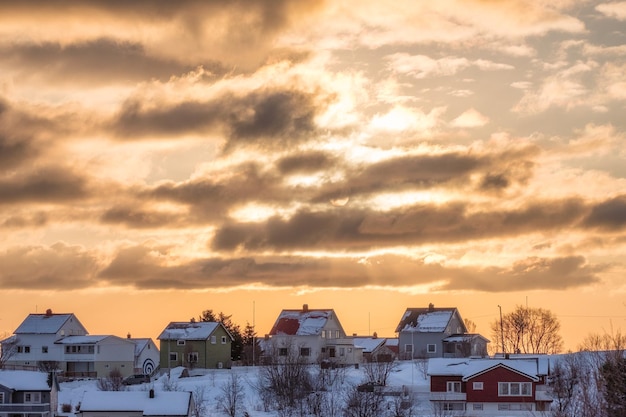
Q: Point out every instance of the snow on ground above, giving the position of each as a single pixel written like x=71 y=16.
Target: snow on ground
x=211 y=383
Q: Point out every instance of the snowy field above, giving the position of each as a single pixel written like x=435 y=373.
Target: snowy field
x=209 y=385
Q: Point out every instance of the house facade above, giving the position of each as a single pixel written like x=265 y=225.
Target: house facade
x=32 y=345
x=27 y=393
x=96 y=356
x=489 y=387
x=313 y=335
x=147 y=356
x=136 y=404
x=195 y=345
x=427 y=333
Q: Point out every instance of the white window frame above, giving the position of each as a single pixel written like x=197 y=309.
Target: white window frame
x=223 y=340
x=32 y=397
x=323 y=334
x=342 y=351
x=453 y=386
x=453 y=406
x=192 y=357
x=213 y=339
x=477 y=386
x=181 y=342
x=173 y=356
x=522 y=389
x=406 y=348
x=477 y=406
x=433 y=346
x=305 y=351
x=44 y=349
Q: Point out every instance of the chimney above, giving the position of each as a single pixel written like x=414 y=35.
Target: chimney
x=375 y=335
x=151 y=393
x=48 y=312
x=305 y=308
x=128 y=335
x=431 y=307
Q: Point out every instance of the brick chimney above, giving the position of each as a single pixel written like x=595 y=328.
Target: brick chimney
x=431 y=307
x=305 y=308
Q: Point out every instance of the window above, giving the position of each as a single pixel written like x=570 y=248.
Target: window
x=213 y=340
x=180 y=343
x=282 y=351
x=336 y=334
x=323 y=334
x=331 y=352
x=477 y=386
x=514 y=389
x=408 y=348
x=173 y=356
x=32 y=397
x=477 y=406
x=26 y=349
x=192 y=357
x=1 y=397
x=305 y=351
x=515 y=407
x=20 y=349
x=342 y=351
x=223 y=340
x=453 y=386
x=431 y=348
x=453 y=406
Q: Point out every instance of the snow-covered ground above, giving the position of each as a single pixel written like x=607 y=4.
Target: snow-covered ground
x=210 y=385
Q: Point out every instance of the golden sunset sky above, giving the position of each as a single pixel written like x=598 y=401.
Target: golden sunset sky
x=160 y=158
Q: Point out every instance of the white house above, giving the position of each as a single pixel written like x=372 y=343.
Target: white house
x=146 y=355
x=136 y=404
x=315 y=335
x=32 y=344
x=97 y=356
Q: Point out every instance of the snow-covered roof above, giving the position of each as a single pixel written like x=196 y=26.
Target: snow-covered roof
x=201 y=330
x=81 y=340
x=24 y=380
x=301 y=322
x=140 y=344
x=369 y=344
x=425 y=320
x=469 y=368
x=164 y=403
x=458 y=338
x=43 y=323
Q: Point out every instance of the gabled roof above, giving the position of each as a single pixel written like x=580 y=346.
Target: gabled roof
x=24 y=380
x=80 y=340
x=305 y=322
x=164 y=403
x=140 y=344
x=427 y=320
x=200 y=330
x=368 y=343
x=45 y=323
x=471 y=368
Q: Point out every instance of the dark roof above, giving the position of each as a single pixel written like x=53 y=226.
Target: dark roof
x=427 y=320
x=305 y=322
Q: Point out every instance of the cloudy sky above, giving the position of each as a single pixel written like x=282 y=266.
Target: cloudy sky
x=160 y=158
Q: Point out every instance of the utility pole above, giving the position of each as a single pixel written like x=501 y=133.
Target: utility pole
x=501 y=331
x=253 y=331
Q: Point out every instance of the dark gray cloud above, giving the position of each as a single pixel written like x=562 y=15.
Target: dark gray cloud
x=143 y=267
x=274 y=117
x=306 y=162
x=56 y=267
x=50 y=184
x=134 y=217
x=357 y=229
x=14 y=151
x=94 y=62
x=609 y=215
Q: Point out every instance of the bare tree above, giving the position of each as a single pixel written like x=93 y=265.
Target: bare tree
x=377 y=372
x=8 y=348
x=528 y=330
x=199 y=401
x=470 y=325
x=285 y=379
x=360 y=403
x=231 y=400
x=113 y=382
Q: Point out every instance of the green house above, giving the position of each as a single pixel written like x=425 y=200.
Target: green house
x=195 y=345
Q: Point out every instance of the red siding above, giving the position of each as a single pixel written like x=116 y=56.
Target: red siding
x=439 y=383
x=490 y=380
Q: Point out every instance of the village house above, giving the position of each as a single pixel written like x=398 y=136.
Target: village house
x=314 y=335
x=195 y=345
x=377 y=349
x=27 y=393
x=59 y=342
x=488 y=387
x=136 y=404
x=435 y=333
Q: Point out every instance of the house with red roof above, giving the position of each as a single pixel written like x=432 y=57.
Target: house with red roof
x=312 y=335
x=491 y=386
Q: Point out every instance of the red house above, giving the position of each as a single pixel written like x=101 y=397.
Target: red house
x=488 y=387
